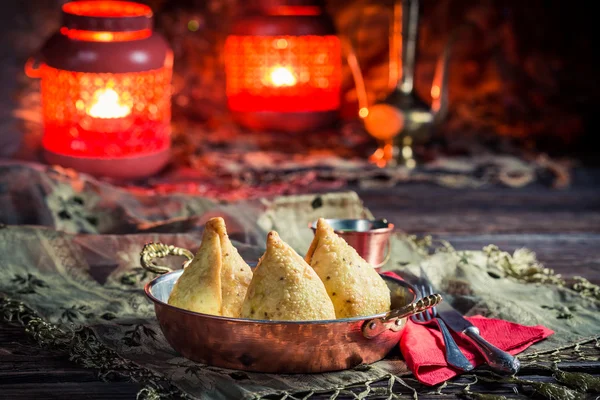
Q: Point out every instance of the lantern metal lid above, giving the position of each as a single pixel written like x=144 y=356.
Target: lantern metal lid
x=106 y=16
x=105 y=36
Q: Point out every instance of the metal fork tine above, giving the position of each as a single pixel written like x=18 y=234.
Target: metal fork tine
x=429 y=289
x=419 y=316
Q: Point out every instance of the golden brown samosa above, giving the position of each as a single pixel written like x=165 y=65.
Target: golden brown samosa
x=353 y=285
x=284 y=287
x=216 y=280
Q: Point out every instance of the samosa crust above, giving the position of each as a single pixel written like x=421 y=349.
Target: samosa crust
x=353 y=285
x=235 y=273
x=284 y=287
x=216 y=280
x=199 y=286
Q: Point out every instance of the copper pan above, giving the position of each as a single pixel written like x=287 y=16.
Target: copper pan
x=277 y=346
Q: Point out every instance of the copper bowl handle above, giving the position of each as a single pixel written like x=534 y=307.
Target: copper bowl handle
x=393 y=319
x=160 y=250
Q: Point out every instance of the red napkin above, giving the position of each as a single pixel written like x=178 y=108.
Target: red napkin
x=423 y=349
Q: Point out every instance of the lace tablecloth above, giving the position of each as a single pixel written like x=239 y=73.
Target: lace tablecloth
x=72 y=277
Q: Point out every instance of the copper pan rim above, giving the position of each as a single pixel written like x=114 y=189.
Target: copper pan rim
x=150 y=285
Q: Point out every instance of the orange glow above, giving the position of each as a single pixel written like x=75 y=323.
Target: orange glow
x=295 y=10
x=281 y=43
x=107 y=104
x=383 y=155
x=384 y=121
x=435 y=91
x=282 y=76
x=96 y=36
x=283 y=73
x=101 y=8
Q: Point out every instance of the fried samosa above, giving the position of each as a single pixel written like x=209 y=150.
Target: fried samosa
x=216 y=280
x=284 y=287
x=353 y=285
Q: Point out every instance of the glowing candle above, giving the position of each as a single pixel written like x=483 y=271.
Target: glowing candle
x=282 y=76
x=107 y=104
x=283 y=68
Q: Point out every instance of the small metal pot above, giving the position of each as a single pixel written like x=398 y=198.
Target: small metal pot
x=278 y=346
x=369 y=237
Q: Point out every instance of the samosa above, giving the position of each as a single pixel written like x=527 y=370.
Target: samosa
x=216 y=280
x=353 y=285
x=284 y=287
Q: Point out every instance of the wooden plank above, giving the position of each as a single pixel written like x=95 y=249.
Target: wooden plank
x=70 y=390
x=46 y=374
x=23 y=362
x=420 y=208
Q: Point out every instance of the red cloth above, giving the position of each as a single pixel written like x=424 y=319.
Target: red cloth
x=423 y=349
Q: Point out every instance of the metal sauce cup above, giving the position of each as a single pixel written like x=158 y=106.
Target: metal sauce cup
x=369 y=237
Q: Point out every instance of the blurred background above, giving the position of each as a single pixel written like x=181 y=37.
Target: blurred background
x=522 y=74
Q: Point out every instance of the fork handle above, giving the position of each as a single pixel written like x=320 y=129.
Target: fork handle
x=498 y=360
x=454 y=356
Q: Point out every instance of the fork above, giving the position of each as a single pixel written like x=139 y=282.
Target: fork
x=454 y=356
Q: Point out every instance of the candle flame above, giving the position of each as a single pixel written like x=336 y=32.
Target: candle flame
x=108 y=105
x=282 y=76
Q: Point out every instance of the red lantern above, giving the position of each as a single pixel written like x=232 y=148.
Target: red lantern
x=106 y=90
x=283 y=68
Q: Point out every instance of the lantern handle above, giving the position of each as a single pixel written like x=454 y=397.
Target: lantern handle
x=32 y=68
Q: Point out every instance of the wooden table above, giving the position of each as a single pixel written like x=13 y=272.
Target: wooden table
x=561 y=226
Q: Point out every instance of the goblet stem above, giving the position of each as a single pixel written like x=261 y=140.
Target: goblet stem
x=391 y=153
x=405 y=154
